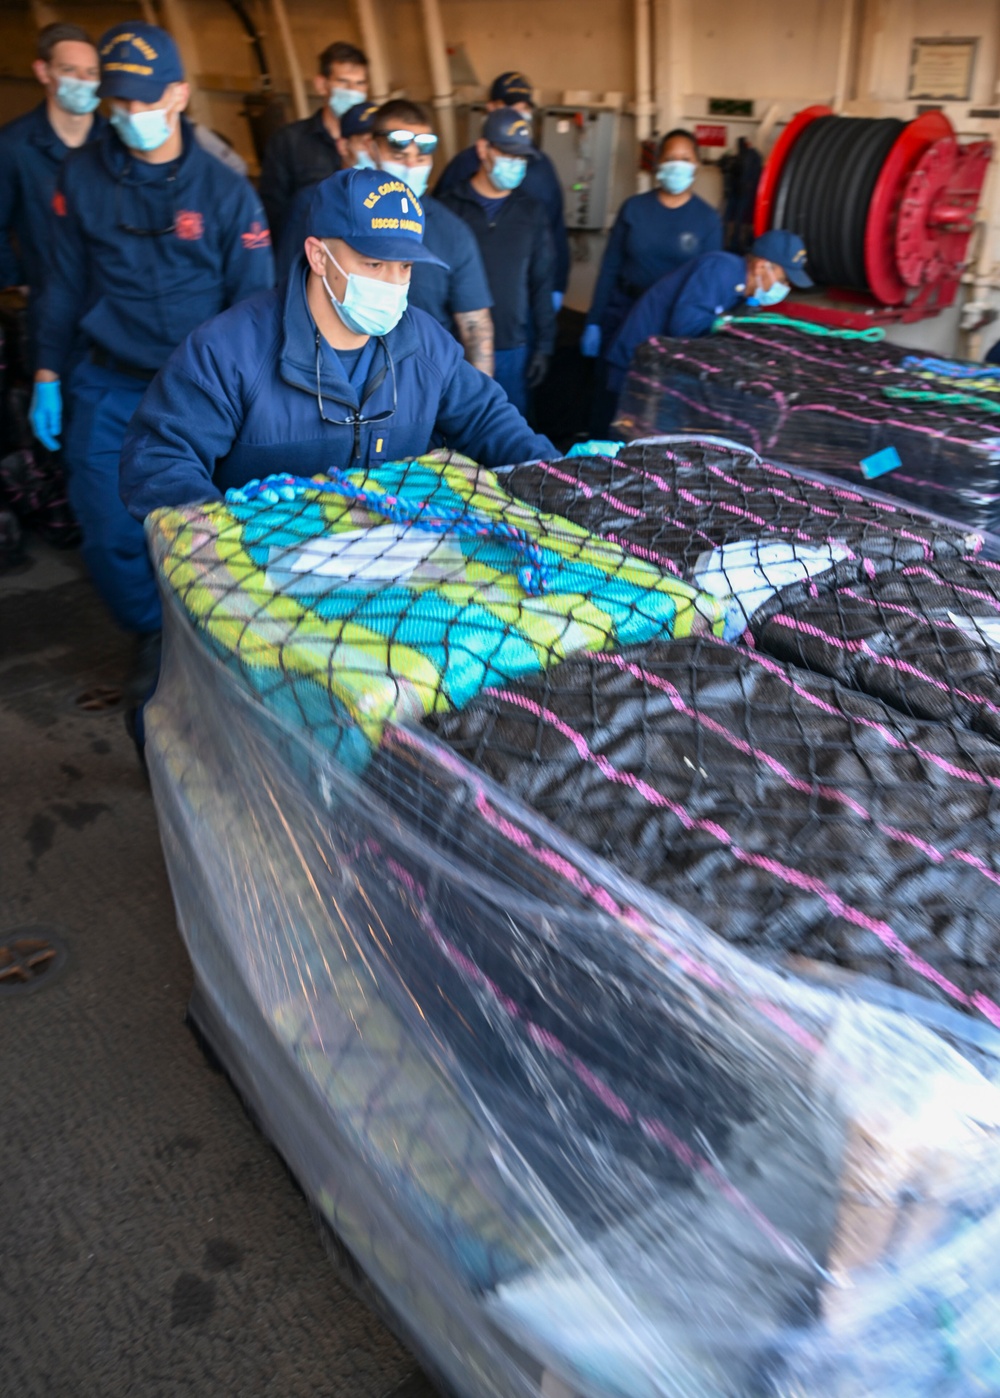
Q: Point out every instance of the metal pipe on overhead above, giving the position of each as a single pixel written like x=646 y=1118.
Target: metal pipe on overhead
x=847 y=56
x=644 y=108
x=371 y=42
x=444 y=94
x=296 y=81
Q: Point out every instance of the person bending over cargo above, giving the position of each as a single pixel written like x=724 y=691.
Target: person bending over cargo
x=330 y=370
x=686 y=303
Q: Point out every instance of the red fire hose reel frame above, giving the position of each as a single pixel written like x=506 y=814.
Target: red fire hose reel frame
x=920 y=219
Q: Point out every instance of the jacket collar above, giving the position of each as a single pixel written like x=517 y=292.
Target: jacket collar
x=119 y=160
x=47 y=138
x=298 y=344
x=317 y=127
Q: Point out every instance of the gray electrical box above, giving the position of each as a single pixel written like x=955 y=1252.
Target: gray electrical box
x=594 y=153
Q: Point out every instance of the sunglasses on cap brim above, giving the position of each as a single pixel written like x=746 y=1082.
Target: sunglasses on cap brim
x=426 y=144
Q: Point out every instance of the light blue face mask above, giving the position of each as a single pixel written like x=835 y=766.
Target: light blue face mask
x=675 y=176
x=369 y=307
x=363 y=161
x=418 y=177
x=342 y=99
x=508 y=171
x=143 y=131
x=78 y=96
x=771 y=297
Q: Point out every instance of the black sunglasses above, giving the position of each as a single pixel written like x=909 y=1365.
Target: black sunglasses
x=400 y=141
x=124 y=227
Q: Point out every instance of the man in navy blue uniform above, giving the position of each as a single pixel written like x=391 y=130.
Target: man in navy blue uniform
x=454 y=290
x=331 y=370
x=32 y=150
x=513 y=236
x=686 y=303
x=153 y=236
x=513 y=90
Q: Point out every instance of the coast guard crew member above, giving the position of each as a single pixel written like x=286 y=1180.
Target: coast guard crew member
x=516 y=246
x=32 y=150
x=455 y=290
x=653 y=235
x=153 y=236
x=686 y=303
x=331 y=370
x=514 y=91
x=304 y=152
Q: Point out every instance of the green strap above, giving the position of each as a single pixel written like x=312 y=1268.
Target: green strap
x=873 y=333
x=958 y=400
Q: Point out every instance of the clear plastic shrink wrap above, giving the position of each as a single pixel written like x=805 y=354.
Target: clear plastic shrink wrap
x=579 y=1144
x=828 y=403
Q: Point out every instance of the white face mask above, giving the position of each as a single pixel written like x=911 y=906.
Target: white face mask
x=418 y=177
x=370 y=306
x=143 y=131
x=342 y=99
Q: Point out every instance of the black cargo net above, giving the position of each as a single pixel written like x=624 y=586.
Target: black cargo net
x=828 y=404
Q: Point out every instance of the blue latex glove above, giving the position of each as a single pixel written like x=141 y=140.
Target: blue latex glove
x=557 y=300
x=595 y=448
x=590 y=342
x=45 y=413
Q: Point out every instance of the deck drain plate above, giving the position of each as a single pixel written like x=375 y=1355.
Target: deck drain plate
x=30 y=958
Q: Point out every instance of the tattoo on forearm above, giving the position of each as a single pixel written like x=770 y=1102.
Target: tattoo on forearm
x=475 y=330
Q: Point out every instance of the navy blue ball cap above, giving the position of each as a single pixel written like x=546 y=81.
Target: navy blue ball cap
x=787 y=251
x=359 y=119
x=510 y=88
x=510 y=132
x=138 y=61
x=375 y=214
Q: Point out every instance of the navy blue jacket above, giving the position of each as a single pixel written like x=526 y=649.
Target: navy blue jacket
x=443 y=292
x=144 y=253
x=648 y=241
x=31 y=156
x=540 y=182
x=684 y=304
x=516 y=248
x=238 y=400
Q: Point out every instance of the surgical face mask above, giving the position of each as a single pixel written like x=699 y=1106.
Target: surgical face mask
x=771 y=297
x=418 y=177
x=143 y=131
x=369 y=307
x=675 y=176
x=363 y=161
x=77 y=96
x=508 y=171
x=342 y=99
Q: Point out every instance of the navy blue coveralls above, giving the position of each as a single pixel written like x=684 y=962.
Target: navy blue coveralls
x=684 y=305
x=238 y=401
x=648 y=241
x=31 y=156
x=142 y=255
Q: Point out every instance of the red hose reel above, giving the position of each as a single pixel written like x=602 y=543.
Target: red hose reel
x=911 y=229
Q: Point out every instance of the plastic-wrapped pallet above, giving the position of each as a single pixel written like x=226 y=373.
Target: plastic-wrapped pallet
x=579 y=1144
x=829 y=404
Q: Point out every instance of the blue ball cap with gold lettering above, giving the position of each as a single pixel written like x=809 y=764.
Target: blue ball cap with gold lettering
x=138 y=61
x=374 y=214
x=508 y=131
x=787 y=251
x=511 y=88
